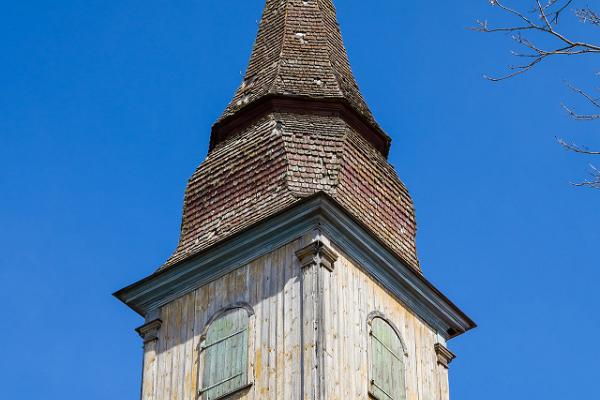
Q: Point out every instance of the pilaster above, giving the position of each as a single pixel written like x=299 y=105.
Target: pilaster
x=317 y=261
x=149 y=334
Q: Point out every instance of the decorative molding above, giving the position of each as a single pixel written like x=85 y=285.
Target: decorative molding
x=349 y=236
x=166 y=285
x=304 y=105
x=149 y=332
x=317 y=253
x=444 y=356
x=406 y=284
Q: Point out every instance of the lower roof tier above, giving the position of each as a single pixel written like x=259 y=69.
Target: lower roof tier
x=283 y=158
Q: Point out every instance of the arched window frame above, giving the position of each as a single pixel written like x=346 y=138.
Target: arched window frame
x=379 y=315
x=250 y=346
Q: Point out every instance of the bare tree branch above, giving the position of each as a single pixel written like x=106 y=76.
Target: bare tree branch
x=549 y=18
x=594 y=182
x=541 y=23
x=519 y=69
x=593 y=101
x=580 y=117
x=586 y=15
x=556 y=14
x=576 y=148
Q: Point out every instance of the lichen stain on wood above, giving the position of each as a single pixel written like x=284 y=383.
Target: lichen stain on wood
x=258 y=364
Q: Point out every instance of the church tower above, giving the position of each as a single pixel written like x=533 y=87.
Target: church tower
x=296 y=274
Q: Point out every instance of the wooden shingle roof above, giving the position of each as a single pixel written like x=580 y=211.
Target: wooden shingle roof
x=296 y=127
x=299 y=53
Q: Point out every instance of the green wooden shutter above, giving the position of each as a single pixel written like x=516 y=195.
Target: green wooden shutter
x=226 y=355
x=387 y=362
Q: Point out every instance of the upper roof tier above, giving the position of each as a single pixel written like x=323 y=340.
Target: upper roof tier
x=299 y=54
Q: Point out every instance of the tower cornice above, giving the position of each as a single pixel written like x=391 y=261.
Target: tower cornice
x=317 y=212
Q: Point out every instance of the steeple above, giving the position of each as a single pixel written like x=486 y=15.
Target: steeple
x=296 y=274
x=298 y=126
x=299 y=54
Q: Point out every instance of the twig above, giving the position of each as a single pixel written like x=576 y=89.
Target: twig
x=588 y=15
x=576 y=148
x=595 y=183
x=549 y=19
x=582 y=117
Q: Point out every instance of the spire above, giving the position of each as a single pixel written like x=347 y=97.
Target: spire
x=296 y=128
x=299 y=54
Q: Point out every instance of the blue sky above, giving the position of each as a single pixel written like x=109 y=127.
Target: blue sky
x=105 y=111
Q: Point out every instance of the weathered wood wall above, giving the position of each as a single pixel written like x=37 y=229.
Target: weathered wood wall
x=350 y=296
x=273 y=285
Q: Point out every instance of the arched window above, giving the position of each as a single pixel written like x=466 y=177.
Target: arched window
x=225 y=353
x=386 y=359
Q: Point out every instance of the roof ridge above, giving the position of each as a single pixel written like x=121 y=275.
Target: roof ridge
x=280 y=58
x=333 y=69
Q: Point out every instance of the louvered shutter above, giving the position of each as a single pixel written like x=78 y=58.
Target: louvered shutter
x=387 y=362
x=226 y=355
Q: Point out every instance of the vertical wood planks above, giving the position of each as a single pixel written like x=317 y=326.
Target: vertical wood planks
x=357 y=296
x=329 y=310
x=149 y=374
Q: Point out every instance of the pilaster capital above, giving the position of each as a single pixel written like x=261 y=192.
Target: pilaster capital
x=317 y=253
x=149 y=331
x=444 y=356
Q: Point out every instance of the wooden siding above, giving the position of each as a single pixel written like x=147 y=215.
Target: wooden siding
x=308 y=338
x=350 y=298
